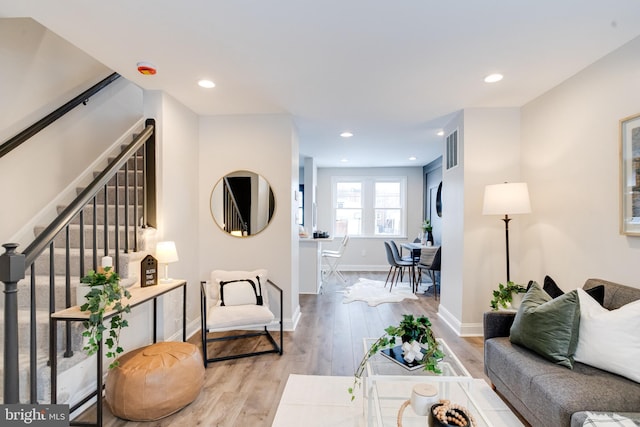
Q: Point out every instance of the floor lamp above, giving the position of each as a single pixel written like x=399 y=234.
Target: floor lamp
x=506 y=199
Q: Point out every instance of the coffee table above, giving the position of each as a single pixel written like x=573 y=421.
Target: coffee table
x=387 y=385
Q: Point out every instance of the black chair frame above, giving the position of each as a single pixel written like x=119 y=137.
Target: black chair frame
x=275 y=346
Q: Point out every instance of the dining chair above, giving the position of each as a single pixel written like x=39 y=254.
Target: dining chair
x=332 y=260
x=400 y=264
x=398 y=253
x=431 y=262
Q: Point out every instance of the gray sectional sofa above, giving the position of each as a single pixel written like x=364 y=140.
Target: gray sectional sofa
x=546 y=394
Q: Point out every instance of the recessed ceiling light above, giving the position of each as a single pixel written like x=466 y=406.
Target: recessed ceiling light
x=440 y=133
x=344 y=160
x=207 y=84
x=492 y=78
x=346 y=134
x=412 y=158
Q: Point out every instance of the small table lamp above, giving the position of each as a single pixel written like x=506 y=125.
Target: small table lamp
x=166 y=253
x=506 y=199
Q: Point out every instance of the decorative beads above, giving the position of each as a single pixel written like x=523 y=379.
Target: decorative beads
x=453 y=414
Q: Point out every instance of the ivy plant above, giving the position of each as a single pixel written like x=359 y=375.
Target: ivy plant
x=409 y=329
x=503 y=296
x=105 y=294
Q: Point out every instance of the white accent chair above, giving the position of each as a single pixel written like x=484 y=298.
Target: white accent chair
x=332 y=259
x=246 y=302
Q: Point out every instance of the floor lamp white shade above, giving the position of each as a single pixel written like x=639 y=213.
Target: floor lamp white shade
x=166 y=253
x=506 y=199
x=509 y=198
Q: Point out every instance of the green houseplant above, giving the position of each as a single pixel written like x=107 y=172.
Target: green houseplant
x=105 y=294
x=409 y=329
x=427 y=230
x=503 y=296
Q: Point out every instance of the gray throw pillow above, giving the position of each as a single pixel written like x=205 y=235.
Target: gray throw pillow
x=548 y=326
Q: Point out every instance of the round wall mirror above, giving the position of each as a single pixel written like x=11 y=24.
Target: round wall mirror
x=242 y=203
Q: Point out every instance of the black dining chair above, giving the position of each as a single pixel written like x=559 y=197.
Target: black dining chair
x=395 y=265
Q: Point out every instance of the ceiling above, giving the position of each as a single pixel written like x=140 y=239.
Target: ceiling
x=391 y=72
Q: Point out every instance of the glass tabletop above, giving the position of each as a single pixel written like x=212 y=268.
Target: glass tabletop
x=382 y=365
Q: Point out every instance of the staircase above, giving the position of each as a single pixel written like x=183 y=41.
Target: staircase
x=107 y=218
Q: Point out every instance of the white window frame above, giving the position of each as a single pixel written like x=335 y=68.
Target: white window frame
x=368 y=204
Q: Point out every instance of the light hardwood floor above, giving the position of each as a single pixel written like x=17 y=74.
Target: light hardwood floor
x=327 y=341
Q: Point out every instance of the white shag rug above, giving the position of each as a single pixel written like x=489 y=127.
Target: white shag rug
x=373 y=292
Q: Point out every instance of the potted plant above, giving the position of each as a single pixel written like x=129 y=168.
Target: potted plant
x=106 y=293
x=411 y=329
x=427 y=229
x=503 y=296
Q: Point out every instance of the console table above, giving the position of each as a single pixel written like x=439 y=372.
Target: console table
x=139 y=296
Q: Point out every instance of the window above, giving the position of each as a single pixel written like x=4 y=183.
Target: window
x=369 y=206
x=348 y=208
x=387 y=208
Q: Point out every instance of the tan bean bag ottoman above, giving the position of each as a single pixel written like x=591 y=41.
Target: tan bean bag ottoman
x=155 y=381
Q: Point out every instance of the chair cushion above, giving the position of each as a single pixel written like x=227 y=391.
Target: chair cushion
x=239 y=291
x=221 y=318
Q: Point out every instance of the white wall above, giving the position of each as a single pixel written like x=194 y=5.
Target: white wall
x=35 y=84
x=570 y=159
x=267 y=145
x=177 y=205
x=473 y=254
x=33 y=79
x=367 y=253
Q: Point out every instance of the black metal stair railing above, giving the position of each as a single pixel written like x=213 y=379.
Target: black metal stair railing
x=137 y=158
x=233 y=220
x=83 y=98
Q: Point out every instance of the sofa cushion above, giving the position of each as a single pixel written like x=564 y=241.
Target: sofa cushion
x=609 y=340
x=550 y=287
x=579 y=418
x=548 y=326
x=552 y=393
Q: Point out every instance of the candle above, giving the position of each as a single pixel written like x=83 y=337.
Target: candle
x=107 y=261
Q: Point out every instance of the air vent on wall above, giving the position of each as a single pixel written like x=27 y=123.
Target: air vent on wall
x=452 y=150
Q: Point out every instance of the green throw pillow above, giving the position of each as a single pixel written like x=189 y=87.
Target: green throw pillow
x=548 y=326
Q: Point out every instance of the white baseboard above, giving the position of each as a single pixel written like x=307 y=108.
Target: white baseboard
x=291 y=324
x=461 y=329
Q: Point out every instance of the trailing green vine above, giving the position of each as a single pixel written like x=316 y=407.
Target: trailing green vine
x=410 y=329
x=105 y=294
x=503 y=296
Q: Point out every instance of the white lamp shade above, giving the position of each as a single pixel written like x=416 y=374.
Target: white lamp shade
x=166 y=252
x=506 y=199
